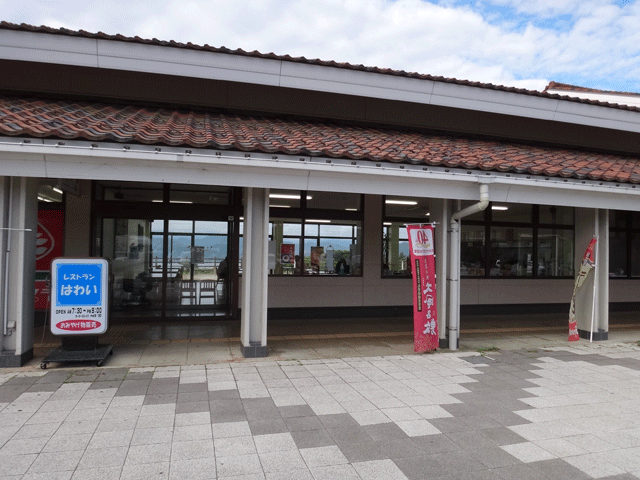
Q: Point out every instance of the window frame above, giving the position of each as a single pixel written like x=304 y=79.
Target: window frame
x=304 y=214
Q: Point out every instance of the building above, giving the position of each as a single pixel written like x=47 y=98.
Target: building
x=178 y=162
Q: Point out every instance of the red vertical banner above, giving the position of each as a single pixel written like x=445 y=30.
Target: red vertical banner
x=588 y=262
x=49 y=240
x=423 y=267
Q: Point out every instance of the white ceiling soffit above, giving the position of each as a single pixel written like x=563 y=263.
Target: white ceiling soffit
x=111 y=54
x=141 y=163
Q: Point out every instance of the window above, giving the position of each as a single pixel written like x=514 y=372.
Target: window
x=399 y=211
x=315 y=233
x=517 y=240
x=624 y=244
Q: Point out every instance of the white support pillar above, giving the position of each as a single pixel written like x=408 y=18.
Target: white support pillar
x=253 y=329
x=18 y=223
x=441 y=216
x=592 y=222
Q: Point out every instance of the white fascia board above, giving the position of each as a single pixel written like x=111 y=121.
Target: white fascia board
x=79 y=160
x=494 y=101
x=187 y=63
x=616 y=119
x=354 y=82
x=130 y=56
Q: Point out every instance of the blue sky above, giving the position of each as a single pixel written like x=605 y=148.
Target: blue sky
x=507 y=42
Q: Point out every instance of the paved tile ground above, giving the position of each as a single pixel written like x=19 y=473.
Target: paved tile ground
x=559 y=412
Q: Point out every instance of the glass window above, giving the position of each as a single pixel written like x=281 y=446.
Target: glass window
x=555 y=253
x=511 y=212
x=395 y=249
x=472 y=250
x=552 y=215
x=335 y=249
x=49 y=193
x=201 y=194
x=635 y=254
x=285 y=199
x=285 y=246
x=334 y=201
x=406 y=207
x=617 y=254
x=128 y=192
x=511 y=252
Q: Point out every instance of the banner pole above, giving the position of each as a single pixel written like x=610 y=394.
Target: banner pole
x=595 y=291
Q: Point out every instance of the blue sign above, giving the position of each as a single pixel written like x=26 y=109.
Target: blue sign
x=79 y=296
x=79 y=284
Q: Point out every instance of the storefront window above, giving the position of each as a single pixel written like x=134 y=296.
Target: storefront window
x=518 y=246
x=472 y=251
x=555 y=253
x=315 y=233
x=511 y=252
x=624 y=244
x=395 y=249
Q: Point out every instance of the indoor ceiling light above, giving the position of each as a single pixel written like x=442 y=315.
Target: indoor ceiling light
x=279 y=206
x=499 y=207
x=388 y=224
x=287 y=196
x=351 y=209
x=400 y=202
x=318 y=221
x=57 y=190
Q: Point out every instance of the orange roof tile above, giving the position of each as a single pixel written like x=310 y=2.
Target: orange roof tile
x=153 y=126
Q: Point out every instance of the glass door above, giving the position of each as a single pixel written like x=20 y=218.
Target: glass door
x=167 y=268
x=198 y=261
x=134 y=247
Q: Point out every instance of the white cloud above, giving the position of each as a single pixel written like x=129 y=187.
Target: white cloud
x=598 y=45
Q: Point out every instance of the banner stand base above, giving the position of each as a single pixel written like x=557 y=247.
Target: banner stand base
x=597 y=336
x=79 y=349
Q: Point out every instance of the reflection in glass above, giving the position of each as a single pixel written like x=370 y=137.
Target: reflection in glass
x=617 y=254
x=395 y=249
x=555 y=253
x=472 y=250
x=511 y=252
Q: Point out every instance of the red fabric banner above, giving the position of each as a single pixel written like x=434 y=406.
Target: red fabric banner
x=423 y=267
x=49 y=240
x=588 y=262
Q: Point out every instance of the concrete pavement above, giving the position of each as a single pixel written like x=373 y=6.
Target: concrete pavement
x=546 y=409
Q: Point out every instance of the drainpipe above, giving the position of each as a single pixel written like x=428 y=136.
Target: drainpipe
x=7 y=256
x=454 y=263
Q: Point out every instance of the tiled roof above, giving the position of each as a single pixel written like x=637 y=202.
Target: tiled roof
x=152 y=126
x=385 y=71
x=577 y=89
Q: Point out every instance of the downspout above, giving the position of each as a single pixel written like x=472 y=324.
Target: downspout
x=454 y=263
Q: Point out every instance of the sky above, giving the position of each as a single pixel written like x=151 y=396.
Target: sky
x=518 y=43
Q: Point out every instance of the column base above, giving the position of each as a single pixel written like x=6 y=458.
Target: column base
x=254 y=351
x=443 y=343
x=597 y=336
x=9 y=359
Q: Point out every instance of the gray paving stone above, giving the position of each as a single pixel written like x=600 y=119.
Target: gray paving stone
x=303 y=423
x=268 y=426
x=224 y=394
x=558 y=468
x=312 y=438
x=160 y=398
x=431 y=444
x=399 y=448
x=519 y=472
x=193 y=387
x=192 y=407
x=385 y=431
x=349 y=434
x=296 y=411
